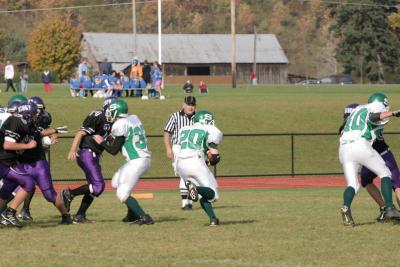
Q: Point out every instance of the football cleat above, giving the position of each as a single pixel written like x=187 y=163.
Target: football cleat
x=392 y=213
x=25 y=215
x=382 y=216
x=130 y=217
x=193 y=194
x=9 y=217
x=67 y=198
x=66 y=219
x=214 y=221
x=187 y=207
x=80 y=219
x=346 y=216
x=146 y=219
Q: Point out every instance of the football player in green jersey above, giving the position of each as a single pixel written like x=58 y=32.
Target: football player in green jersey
x=356 y=150
x=129 y=138
x=197 y=143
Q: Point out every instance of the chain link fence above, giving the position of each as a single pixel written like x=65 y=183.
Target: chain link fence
x=242 y=155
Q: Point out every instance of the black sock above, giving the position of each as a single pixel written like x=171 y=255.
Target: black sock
x=28 y=199
x=85 y=204
x=8 y=200
x=82 y=190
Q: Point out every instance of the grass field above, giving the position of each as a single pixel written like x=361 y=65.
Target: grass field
x=279 y=227
x=260 y=109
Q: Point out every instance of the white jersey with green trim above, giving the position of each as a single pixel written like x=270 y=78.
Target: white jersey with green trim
x=358 y=124
x=135 y=145
x=195 y=140
x=3 y=117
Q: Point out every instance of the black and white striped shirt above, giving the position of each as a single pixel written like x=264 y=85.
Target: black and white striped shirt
x=177 y=120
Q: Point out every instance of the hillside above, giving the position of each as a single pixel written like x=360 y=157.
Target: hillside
x=301 y=26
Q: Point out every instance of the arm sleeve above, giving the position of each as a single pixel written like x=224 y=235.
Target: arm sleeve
x=91 y=123
x=119 y=128
x=12 y=130
x=342 y=126
x=116 y=145
x=214 y=138
x=375 y=117
x=170 y=126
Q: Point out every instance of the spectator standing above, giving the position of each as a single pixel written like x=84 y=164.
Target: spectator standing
x=156 y=78
x=83 y=70
x=24 y=81
x=146 y=72
x=188 y=87
x=46 y=79
x=203 y=87
x=105 y=67
x=147 y=78
x=9 y=76
x=136 y=75
x=177 y=121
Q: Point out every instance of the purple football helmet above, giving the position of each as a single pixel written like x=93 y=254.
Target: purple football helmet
x=28 y=112
x=108 y=101
x=38 y=101
x=349 y=109
x=13 y=106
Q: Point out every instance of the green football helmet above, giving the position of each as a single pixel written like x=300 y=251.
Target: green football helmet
x=204 y=117
x=379 y=97
x=116 y=109
x=17 y=98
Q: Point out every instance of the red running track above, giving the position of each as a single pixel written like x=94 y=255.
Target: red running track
x=233 y=183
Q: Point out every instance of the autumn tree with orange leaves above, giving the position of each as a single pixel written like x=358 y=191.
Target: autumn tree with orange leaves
x=54 y=45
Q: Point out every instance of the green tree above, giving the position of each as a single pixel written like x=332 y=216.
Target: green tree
x=368 y=45
x=12 y=47
x=54 y=45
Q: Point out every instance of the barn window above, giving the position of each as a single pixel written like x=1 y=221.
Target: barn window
x=198 y=70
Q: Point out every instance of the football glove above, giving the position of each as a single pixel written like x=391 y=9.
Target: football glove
x=62 y=129
x=396 y=113
x=214 y=159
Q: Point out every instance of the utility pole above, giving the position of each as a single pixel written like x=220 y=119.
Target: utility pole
x=159 y=33
x=135 y=52
x=254 y=76
x=233 y=30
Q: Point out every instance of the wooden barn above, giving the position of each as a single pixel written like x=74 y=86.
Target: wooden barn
x=192 y=57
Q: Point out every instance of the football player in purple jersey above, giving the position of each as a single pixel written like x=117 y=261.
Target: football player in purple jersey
x=88 y=139
x=14 y=136
x=43 y=121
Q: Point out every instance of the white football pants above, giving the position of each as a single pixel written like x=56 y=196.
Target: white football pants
x=360 y=153
x=195 y=170
x=126 y=178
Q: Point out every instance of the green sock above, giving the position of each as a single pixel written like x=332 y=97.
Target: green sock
x=386 y=189
x=206 y=192
x=348 y=196
x=134 y=206
x=207 y=207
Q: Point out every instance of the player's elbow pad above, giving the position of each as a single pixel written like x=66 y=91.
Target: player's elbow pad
x=215 y=158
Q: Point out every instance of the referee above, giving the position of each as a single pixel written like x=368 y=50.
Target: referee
x=178 y=120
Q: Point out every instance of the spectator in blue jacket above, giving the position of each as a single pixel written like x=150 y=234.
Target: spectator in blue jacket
x=46 y=79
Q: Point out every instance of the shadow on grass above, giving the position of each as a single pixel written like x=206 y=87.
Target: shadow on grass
x=364 y=223
x=168 y=219
x=226 y=207
x=237 y=222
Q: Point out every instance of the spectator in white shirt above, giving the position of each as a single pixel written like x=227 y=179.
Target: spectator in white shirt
x=9 y=75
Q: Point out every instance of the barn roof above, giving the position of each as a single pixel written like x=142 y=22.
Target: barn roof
x=184 y=48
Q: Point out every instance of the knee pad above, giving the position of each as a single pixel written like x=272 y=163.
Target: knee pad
x=122 y=194
x=114 y=180
x=50 y=195
x=28 y=185
x=97 y=189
